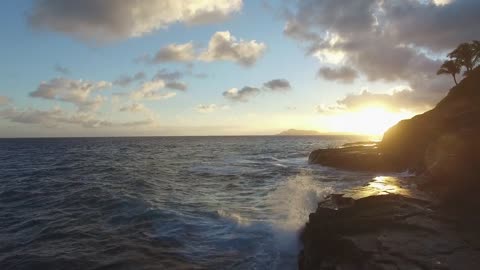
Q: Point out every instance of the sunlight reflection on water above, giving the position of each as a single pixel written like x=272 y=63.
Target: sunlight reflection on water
x=382 y=185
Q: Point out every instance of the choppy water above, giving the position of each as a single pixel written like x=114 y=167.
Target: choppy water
x=160 y=203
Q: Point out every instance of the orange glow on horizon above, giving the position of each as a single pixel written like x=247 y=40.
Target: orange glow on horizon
x=372 y=121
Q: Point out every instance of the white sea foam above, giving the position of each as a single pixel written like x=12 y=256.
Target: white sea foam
x=235 y=217
x=294 y=199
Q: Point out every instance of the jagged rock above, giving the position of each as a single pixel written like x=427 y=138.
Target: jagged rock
x=388 y=232
x=357 y=157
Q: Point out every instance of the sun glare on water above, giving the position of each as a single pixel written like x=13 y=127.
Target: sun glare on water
x=373 y=121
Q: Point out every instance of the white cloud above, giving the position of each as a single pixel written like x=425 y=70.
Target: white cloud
x=77 y=92
x=126 y=80
x=52 y=118
x=224 y=46
x=151 y=91
x=207 y=108
x=108 y=20
x=327 y=109
x=57 y=117
x=134 y=107
x=401 y=98
x=242 y=95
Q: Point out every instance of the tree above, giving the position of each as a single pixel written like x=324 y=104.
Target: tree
x=450 y=67
x=464 y=55
x=476 y=51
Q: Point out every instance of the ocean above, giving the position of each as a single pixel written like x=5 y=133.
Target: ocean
x=161 y=202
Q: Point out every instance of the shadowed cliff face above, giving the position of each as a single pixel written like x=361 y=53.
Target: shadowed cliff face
x=444 y=135
x=443 y=142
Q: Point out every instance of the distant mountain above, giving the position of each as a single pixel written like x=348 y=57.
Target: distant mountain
x=296 y=132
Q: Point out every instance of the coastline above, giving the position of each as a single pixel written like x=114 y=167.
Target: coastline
x=427 y=222
x=390 y=223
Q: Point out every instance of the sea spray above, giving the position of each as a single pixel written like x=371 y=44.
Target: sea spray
x=294 y=199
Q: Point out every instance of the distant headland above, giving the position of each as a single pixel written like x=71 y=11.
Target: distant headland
x=298 y=132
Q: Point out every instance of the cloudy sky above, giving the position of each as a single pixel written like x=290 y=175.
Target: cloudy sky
x=223 y=67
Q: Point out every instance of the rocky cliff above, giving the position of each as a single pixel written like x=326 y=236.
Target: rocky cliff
x=432 y=142
x=397 y=231
x=448 y=133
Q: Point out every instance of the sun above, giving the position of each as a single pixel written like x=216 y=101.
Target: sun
x=371 y=120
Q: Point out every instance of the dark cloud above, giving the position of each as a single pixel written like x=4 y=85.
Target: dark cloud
x=166 y=75
x=343 y=74
x=429 y=25
x=126 y=80
x=384 y=40
x=297 y=31
x=175 y=53
x=242 y=95
x=278 y=85
x=247 y=93
x=176 y=85
x=112 y=20
x=344 y=17
x=61 y=69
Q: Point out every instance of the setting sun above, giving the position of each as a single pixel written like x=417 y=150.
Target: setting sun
x=372 y=121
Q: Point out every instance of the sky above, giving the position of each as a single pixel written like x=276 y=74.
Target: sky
x=223 y=67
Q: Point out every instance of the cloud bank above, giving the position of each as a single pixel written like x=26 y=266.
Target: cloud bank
x=384 y=40
x=247 y=93
x=223 y=46
x=108 y=20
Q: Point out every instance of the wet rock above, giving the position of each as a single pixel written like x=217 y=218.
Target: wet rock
x=357 y=158
x=388 y=232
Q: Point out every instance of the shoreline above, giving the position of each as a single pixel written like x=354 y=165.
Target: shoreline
x=388 y=224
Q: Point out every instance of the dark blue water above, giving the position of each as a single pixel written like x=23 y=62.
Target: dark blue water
x=160 y=203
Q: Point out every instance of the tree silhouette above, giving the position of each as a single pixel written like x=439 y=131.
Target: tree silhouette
x=464 y=55
x=450 y=67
